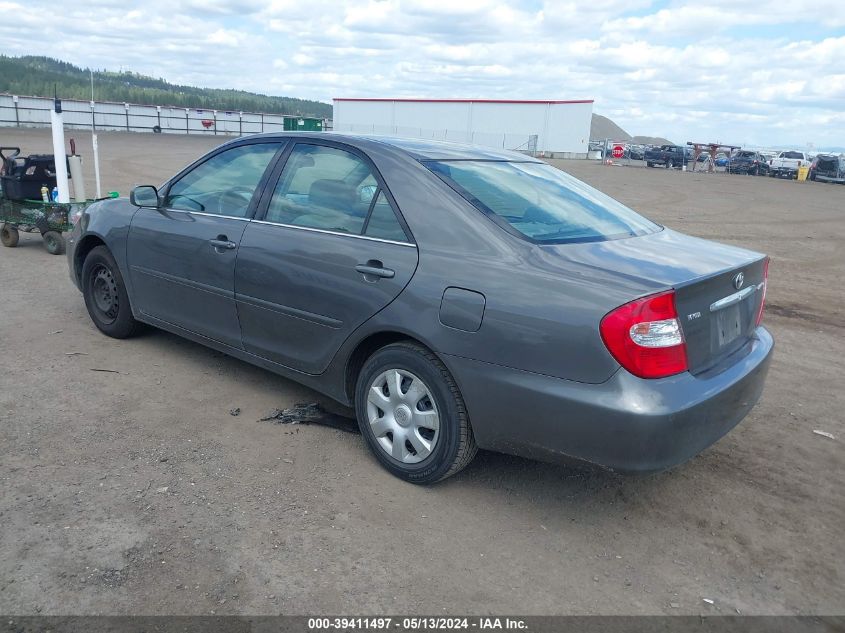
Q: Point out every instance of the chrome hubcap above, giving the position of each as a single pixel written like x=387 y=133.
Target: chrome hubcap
x=403 y=416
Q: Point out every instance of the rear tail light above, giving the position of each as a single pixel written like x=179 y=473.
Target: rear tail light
x=765 y=283
x=645 y=336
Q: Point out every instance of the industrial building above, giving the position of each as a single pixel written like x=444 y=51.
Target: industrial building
x=551 y=128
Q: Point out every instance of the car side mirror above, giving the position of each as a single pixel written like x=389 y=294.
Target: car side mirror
x=145 y=196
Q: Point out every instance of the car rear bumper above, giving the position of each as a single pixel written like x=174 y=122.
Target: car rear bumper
x=627 y=423
x=822 y=177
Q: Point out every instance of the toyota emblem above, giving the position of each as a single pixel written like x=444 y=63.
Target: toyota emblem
x=739 y=279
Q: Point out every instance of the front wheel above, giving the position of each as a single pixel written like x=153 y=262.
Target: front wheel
x=412 y=415
x=54 y=242
x=670 y=164
x=9 y=236
x=105 y=295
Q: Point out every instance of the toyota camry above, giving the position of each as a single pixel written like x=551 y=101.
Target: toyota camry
x=456 y=297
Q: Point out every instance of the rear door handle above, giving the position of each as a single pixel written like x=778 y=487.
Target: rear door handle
x=375 y=269
x=222 y=243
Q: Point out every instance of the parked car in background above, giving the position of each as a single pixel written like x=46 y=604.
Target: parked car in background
x=787 y=163
x=828 y=168
x=722 y=159
x=748 y=162
x=456 y=297
x=670 y=156
x=634 y=152
x=703 y=156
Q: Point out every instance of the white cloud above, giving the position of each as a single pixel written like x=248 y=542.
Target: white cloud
x=766 y=73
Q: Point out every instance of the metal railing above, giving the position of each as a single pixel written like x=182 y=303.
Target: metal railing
x=19 y=111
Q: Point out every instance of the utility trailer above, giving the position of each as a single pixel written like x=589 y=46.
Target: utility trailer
x=22 y=210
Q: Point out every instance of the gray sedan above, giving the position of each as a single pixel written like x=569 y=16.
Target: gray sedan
x=457 y=297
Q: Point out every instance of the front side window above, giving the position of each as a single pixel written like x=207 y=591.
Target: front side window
x=540 y=202
x=333 y=190
x=224 y=184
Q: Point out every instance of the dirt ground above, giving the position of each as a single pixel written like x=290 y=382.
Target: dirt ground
x=138 y=493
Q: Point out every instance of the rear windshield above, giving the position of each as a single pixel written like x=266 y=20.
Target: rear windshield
x=745 y=155
x=540 y=202
x=792 y=155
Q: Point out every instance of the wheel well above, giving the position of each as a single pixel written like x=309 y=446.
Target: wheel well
x=88 y=243
x=364 y=350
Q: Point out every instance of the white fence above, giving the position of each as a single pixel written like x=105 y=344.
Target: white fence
x=18 y=111
x=520 y=142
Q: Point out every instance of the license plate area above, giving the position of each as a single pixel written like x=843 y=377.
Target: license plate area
x=728 y=325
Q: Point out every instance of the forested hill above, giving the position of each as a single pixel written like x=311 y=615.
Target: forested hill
x=37 y=77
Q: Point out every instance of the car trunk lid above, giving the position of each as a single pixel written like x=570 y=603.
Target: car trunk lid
x=718 y=288
x=718 y=313
x=827 y=167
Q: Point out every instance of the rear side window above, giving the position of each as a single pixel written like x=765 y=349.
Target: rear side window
x=383 y=223
x=542 y=203
x=334 y=190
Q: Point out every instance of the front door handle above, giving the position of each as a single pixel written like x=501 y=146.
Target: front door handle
x=223 y=243
x=375 y=269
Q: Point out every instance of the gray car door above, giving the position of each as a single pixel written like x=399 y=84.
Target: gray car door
x=182 y=256
x=328 y=252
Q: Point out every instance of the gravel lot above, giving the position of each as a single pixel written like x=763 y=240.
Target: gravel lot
x=138 y=493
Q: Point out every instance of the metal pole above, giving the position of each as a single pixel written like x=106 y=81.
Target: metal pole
x=94 y=145
x=17 y=116
x=187 y=126
x=59 y=153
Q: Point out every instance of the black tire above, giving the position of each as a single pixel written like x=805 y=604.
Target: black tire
x=9 y=236
x=54 y=242
x=105 y=295
x=455 y=446
x=649 y=164
x=670 y=164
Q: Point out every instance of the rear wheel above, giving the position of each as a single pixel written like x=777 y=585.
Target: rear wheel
x=412 y=415
x=9 y=236
x=105 y=295
x=649 y=164
x=54 y=242
x=670 y=164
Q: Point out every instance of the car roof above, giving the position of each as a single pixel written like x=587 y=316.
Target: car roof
x=419 y=149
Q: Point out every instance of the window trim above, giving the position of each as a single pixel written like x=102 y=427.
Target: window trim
x=279 y=167
x=282 y=145
x=330 y=232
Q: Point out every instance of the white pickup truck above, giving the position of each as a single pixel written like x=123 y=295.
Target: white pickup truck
x=787 y=164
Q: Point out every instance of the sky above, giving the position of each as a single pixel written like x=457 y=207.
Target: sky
x=767 y=73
